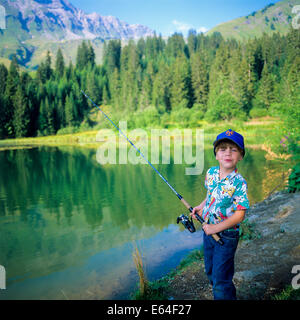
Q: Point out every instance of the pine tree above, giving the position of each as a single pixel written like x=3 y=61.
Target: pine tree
x=13 y=80
x=146 y=92
x=130 y=69
x=83 y=56
x=21 y=117
x=161 y=96
x=3 y=78
x=48 y=70
x=44 y=71
x=105 y=96
x=181 y=96
x=42 y=119
x=112 y=54
x=92 y=87
x=239 y=84
x=70 y=71
x=192 y=42
x=2 y=116
x=70 y=112
x=59 y=64
x=265 y=95
x=46 y=118
x=219 y=77
x=175 y=46
x=60 y=114
x=114 y=88
x=199 y=78
x=91 y=56
x=291 y=111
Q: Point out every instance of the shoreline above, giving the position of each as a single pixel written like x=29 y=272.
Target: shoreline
x=255 y=131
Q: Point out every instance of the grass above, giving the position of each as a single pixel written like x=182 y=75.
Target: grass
x=247 y=231
x=147 y=290
x=255 y=24
x=143 y=282
x=194 y=256
x=255 y=132
x=158 y=289
x=80 y=138
x=288 y=294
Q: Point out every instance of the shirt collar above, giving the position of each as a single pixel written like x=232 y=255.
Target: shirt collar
x=229 y=176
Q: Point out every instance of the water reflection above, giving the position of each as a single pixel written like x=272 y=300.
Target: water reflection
x=68 y=225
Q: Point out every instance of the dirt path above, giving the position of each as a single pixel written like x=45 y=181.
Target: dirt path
x=263 y=265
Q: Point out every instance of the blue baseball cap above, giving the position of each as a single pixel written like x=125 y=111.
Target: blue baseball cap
x=231 y=135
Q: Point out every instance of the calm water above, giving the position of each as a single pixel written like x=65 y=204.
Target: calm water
x=68 y=226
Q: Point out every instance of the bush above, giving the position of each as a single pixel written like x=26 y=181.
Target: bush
x=156 y=290
x=225 y=108
x=165 y=119
x=294 y=178
x=275 y=109
x=258 y=112
x=146 y=118
x=181 y=116
x=288 y=294
x=84 y=126
x=247 y=231
x=67 y=130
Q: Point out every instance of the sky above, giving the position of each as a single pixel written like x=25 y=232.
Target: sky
x=169 y=16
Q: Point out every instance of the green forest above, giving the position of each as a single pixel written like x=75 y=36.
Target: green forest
x=155 y=82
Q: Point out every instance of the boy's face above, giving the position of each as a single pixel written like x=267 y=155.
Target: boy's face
x=228 y=155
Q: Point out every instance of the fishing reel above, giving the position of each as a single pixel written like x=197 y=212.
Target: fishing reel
x=188 y=223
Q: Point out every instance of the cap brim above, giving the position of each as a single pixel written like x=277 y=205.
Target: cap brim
x=224 y=139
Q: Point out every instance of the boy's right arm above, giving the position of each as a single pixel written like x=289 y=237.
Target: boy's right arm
x=198 y=209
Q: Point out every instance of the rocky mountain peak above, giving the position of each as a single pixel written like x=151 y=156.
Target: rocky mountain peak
x=60 y=20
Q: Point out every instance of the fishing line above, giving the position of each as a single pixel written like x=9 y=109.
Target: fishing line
x=186 y=222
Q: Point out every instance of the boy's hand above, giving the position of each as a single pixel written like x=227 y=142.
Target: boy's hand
x=210 y=229
x=198 y=210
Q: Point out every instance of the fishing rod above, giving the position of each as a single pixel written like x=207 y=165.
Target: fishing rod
x=183 y=219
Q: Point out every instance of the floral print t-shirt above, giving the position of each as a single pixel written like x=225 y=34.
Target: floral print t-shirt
x=224 y=196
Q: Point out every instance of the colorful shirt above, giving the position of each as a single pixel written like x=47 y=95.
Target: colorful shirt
x=224 y=196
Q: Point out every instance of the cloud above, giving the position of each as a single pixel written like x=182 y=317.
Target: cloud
x=202 y=29
x=185 y=27
x=181 y=26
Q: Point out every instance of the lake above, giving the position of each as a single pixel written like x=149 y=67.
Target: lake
x=69 y=226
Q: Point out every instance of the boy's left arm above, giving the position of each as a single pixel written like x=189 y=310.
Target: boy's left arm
x=233 y=220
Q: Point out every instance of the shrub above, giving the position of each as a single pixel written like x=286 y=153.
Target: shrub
x=146 y=118
x=294 y=178
x=247 y=231
x=67 y=130
x=225 y=108
x=258 y=112
x=288 y=294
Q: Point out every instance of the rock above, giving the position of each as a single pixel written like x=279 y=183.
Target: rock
x=248 y=275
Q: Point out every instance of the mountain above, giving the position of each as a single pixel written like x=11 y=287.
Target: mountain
x=34 y=23
x=272 y=18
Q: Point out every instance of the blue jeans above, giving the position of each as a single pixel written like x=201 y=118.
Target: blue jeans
x=219 y=264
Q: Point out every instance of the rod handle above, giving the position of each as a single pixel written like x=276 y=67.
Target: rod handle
x=190 y=208
x=186 y=205
x=215 y=235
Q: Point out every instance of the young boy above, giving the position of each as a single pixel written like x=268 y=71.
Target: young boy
x=223 y=209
